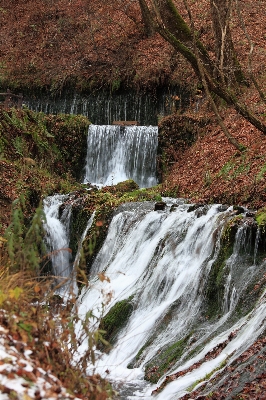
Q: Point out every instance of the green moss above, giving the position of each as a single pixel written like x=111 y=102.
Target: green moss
x=121 y=187
x=116 y=319
x=79 y=220
x=70 y=136
x=165 y=360
x=58 y=142
x=261 y=218
x=219 y=270
x=99 y=228
x=142 y=195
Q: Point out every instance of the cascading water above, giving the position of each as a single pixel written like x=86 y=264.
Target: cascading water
x=57 y=238
x=117 y=153
x=158 y=266
x=104 y=107
x=159 y=263
x=57 y=235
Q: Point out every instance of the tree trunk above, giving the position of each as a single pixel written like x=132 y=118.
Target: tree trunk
x=148 y=22
x=166 y=20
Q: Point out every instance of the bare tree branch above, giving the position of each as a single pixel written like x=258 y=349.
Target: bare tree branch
x=230 y=138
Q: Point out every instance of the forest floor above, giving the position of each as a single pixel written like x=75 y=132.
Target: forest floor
x=212 y=170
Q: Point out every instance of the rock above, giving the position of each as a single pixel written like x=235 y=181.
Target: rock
x=201 y=211
x=223 y=207
x=160 y=205
x=238 y=210
x=250 y=214
x=194 y=207
x=173 y=207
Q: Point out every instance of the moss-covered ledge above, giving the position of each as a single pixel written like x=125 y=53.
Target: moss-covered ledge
x=219 y=270
x=102 y=203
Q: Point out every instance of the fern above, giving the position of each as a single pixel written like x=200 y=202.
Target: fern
x=25 y=245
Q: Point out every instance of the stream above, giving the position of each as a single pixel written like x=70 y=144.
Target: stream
x=158 y=268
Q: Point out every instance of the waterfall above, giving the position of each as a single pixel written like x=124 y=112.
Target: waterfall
x=104 y=107
x=117 y=153
x=163 y=258
x=230 y=292
x=57 y=227
x=57 y=235
x=159 y=262
x=151 y=280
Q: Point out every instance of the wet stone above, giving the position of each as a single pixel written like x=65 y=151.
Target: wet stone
x=160 y=205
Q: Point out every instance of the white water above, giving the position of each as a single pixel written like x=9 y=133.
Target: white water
x=152 y=263
x=115 y=154
x=163 y=258
x=104 y=108
x=57 y=239
x=57 y=235
x=248 y=329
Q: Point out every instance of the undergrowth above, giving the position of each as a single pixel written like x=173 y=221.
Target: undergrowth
x=54 y=141
x=39 y=155
x=32 y=312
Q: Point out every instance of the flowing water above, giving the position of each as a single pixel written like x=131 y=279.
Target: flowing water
x=57 y=227
x=57 y=235
x=158 y=264
x=104 y=107
x=160 y=261
x=117 y=153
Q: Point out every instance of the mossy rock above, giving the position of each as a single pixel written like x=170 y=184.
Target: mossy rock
x=195 y=207
x=105 y=201
x=166 y=359
x=122 y=187
x=254 y=243
x=57 y=141
x=116 y=319
x=142 y=195
x=79 y=220
x=261 y=218
x=70 y=136
x=219 y=271
x=97 y=233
